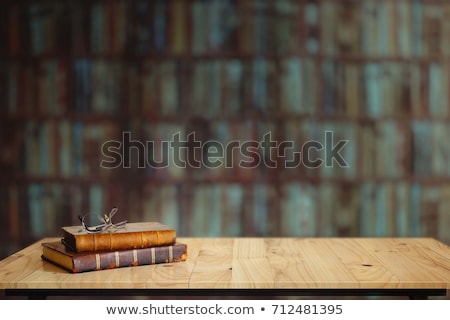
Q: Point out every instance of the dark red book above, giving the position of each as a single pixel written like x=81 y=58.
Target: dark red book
x=75 y=262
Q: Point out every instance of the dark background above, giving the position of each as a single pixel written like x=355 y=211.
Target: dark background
x=77 y=74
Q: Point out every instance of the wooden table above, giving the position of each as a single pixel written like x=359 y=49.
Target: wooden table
x=415 y=267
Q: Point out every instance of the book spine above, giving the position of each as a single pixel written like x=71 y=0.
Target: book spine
x=129 y=258
x=111 y=241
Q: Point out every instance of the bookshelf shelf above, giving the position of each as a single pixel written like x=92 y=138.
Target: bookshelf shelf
x=273 y=117
x=78 y=74
x=259 y=179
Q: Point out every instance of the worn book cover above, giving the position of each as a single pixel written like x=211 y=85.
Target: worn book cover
x=76 y=262
x=133 y=236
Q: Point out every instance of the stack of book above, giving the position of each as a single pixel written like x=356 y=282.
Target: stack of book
x=136 y=244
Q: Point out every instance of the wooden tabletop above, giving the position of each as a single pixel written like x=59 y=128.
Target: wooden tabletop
x=248 y=263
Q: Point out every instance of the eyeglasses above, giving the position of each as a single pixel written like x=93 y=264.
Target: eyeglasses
x=106 y=222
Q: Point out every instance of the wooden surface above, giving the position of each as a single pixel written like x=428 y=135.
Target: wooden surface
x=335 y=263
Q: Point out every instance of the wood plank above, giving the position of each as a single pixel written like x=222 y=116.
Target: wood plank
x=411 y=261
x=367 y=269
x=20 y=265
x=213 y=264
x=308 y=263
x=251 y=268
x=172 y=275
x=244 y=248
x=325 y=267
x=287 y=263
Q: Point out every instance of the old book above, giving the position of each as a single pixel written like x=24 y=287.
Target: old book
x=76 y=262
x=133 y=236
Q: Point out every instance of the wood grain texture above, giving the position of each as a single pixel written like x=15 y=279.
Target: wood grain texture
x=335 y=263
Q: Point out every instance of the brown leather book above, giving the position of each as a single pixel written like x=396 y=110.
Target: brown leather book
x=133 y=236
x=76 y=262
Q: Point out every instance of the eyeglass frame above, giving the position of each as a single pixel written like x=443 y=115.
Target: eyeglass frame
x=107 y=222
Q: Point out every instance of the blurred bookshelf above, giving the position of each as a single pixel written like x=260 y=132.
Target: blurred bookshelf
x=76 y=74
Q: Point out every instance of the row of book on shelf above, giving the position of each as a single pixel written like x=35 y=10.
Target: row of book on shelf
x=241 y=149
x=109 y=246
x=226 y=88
x=233 y=209
x=249 y=27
